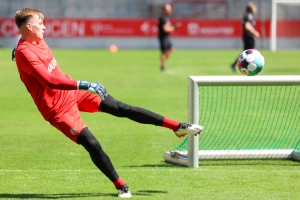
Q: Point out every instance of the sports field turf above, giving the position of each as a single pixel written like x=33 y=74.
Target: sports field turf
x=38 y=162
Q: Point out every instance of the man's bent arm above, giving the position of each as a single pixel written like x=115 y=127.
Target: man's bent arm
x=55 y=82
x=61 y=83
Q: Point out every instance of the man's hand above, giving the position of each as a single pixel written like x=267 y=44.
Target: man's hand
x=176 y=25
x=256 y=34
x=13 y=54
x=94 y=87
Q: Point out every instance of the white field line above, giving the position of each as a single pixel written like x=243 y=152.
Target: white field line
x=144 y=169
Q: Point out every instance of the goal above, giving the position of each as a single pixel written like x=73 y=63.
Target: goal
x=243 y=117
x=285 y=25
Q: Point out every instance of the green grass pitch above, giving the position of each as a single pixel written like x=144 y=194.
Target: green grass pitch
x=38 y=162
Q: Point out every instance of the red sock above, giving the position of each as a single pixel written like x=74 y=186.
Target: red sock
x=170 y=123
x=119 y=183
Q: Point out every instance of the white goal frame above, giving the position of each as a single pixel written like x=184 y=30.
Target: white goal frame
x=274 y=20
x=191 y=157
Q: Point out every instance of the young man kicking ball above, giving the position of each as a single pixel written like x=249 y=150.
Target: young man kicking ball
x=59 y=98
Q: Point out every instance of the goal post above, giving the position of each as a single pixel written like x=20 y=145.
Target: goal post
x=244 y=117
x=274 y=19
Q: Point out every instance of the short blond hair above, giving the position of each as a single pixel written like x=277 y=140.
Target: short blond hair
x=25 y=14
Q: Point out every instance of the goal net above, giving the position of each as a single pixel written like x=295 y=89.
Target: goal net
x=285 y=25
x=243 y=118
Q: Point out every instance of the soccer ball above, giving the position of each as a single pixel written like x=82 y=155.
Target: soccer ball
x=251 y=62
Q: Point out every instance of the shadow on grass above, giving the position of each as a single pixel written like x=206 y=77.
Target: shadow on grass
x=149 y=192
x=56 y=196
x=76 y=195
x=286 y=163
x=166 y=165
x=271 y=162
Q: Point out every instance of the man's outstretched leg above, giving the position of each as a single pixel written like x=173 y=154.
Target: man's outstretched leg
x=102 y=161
x=141 y=115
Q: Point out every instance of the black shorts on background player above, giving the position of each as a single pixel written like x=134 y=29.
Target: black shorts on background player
x=165 y=44
x=249 y=43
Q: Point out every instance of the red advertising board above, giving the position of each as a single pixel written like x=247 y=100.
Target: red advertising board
x=195 y=28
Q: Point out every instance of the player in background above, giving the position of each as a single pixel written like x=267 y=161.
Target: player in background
x=249 y=31
x=164 y=29
x=60 y=98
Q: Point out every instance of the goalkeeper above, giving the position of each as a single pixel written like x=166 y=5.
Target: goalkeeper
x=59 y=98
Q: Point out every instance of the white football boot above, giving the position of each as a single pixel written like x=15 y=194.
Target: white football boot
x=123 y=192
x=185 y=128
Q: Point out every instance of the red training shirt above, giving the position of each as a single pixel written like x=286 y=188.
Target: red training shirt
x=48 y=85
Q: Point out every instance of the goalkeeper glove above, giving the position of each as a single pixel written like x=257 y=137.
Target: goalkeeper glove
x=94 y=87
x=13 y=54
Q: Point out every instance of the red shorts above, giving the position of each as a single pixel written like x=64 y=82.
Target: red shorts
x=68 y=119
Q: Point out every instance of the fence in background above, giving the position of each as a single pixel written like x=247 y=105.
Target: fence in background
x=99 y=23
x=138 y=9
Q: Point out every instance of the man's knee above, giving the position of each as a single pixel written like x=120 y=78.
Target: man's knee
x=88 y=140
x=115 y=107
